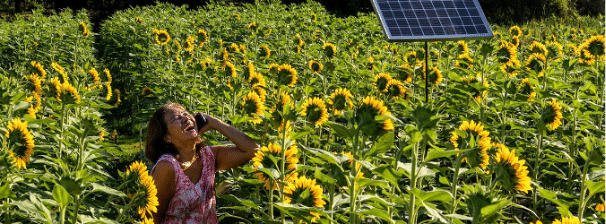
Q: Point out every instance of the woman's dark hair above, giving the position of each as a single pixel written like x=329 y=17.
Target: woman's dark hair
x=155 y=145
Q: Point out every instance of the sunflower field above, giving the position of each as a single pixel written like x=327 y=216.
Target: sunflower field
x=508 y=130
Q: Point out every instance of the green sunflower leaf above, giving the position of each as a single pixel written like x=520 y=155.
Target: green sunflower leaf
x=61 y=196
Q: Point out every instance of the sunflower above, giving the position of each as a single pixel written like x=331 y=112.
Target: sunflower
x=189 y=44
x=314 y=17
x=60 y=70
x=315 y=66
x=21 y=142
x=118 y=100
x=462 y=47
x=268 y=32
x=34 y=107
x=477 y=95
x=101 y=135
x=145 y=194
x=137 y=167
x=395 y=89
x=108 y=75
x=405 y=73
x=259 y=90
x=506 y=54
x=359 y=174
x=261 y=159
x=366 y=113
x=478 y=156
x=595 y=45
x=287 y=75
x=535 y=62
x=253 y=106
x=234 y=47
x=527 y=88
x=36 y=82
x=340 y=100
x=511 y=70
x=567 y=220
x=464 y=61
x=230 y=69
x=56 y=88
x=96 y=80
x=515 y=42
x=138 y=19
x=71 y=95
x=381 y=81
x=256 y=78
x=282 y=98
x=599 y=207
x=538 y=48
x=314 y=109
x=162 y=37
x=511 y=172
x=273 y=68
x=146 y=92
x=224 y=55
x=299 y=41
x=39 y=68
x=372 y=63
x=84 y=29
x=206 y=62
x=306 y=192
x=242 y=49
x=264 y=51
x=177 y=44
x=147 y=220
x=435 y=75
x=585 y=56
x=252 y=25
x=554 y=51
x=515 y=31
x=202 y=37
x=108 y=96
x=249 y=71
x=552 y=115
x=537 y=222
x=114 y=135
x=237 y=16
x=329 y=50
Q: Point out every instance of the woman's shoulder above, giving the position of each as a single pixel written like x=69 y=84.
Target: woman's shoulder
x=165 y=162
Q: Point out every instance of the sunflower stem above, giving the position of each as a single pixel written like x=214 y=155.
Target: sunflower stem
x=582 y=201
x=413 y=182
x=61 y=126
x=455 y=184
x=76 y=209
x=331 y=193
x=573 y=147
x=126 y=208
x=271 y=200
x=536 y=167
x=282 y=169
x=353 y=174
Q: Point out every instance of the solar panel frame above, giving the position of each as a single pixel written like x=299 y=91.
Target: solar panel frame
x=431 y=20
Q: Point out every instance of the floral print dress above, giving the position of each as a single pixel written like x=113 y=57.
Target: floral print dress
x=192 y=203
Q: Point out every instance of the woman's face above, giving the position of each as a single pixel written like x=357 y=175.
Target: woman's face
x=181 y=125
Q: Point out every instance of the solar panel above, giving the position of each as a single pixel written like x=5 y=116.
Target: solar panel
x=432 y=20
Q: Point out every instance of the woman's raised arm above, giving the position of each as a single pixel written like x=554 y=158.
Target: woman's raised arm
x=230 y=156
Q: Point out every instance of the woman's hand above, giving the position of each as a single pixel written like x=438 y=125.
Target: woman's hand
x=229 y=156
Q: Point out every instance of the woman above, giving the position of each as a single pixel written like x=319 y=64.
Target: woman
x=184 y=170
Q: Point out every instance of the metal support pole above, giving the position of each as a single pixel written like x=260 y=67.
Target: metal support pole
x=426 y=72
